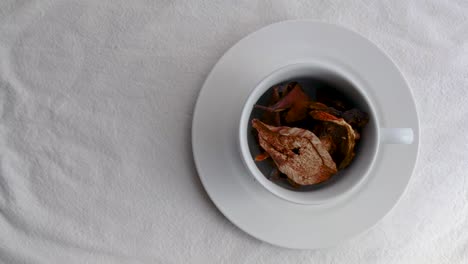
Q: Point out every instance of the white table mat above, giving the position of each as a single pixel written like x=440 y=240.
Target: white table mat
x=96 y=102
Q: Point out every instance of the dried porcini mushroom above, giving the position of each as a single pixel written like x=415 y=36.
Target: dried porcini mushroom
x=322 y=134
x=323 y=107
x=343 y=137
x=297 y=152
x=356 y=118
x=296 y=102
x=271 y=117
x=262 y=156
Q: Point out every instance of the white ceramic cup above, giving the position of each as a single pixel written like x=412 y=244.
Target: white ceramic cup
x=346 y=181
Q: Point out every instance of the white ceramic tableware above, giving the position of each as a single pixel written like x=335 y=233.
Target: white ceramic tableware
x=242 y=198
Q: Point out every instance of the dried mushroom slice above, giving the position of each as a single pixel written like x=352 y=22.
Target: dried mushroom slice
x=270 y=117
x=296 y=100
x=313 y=105
x=297 y=152
x=262 y=156
x=356 y=118
x=328 y=143
x=342 y=135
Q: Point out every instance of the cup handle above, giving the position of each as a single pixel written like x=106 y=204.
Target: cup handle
x=397 y=135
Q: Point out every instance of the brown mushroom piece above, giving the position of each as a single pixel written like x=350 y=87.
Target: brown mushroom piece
x=314 y=105
x=356 y=118
x=297 y=152
x=342 y=137
x=271 y=117
x=296 y=101
x=262 y=156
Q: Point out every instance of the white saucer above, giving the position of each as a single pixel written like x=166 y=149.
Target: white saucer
x=215 y=136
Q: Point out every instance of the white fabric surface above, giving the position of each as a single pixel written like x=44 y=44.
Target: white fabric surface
x=96 y=101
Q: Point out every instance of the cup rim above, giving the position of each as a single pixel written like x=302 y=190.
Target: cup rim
x=254 y=96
